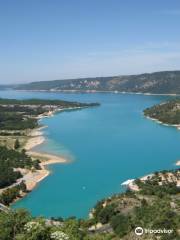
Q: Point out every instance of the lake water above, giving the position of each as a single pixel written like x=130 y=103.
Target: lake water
x=107 y=145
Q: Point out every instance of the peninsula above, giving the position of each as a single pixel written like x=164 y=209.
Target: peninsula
x=166 y=112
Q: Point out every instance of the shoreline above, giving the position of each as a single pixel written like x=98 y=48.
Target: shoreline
x=164 y=124
x=36 y=137
x=33 y=178
x=130 y=182
x=96 y=91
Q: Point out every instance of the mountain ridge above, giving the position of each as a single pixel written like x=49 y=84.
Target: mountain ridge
x=164 y=82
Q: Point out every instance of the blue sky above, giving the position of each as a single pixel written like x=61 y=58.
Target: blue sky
x=56 y=39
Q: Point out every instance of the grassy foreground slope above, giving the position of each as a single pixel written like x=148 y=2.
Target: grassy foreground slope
x=157 y=82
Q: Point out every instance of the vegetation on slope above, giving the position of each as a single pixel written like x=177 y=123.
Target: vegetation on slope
x=115 y=218
x=22 y=114
x=158 y=82
x=10 y=161
x=160 y=184
x=20 y=225
x=155 y=206
x=16 y=117
x=44 y=103
x=168 y=112
x=13 y=193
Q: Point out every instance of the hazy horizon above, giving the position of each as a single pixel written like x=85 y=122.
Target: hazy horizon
x=54 y=40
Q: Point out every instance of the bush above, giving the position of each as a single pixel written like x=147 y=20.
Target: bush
x=121 y=225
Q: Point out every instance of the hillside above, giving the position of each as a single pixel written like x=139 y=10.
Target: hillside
x=167 y=112
x=167 y=82
x=154 y=206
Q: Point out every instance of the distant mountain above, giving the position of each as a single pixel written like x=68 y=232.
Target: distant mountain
x=157 y=82
x=4 y=87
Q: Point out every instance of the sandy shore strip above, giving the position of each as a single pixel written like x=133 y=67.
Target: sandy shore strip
x=165 y=124
x=33 y=142
x=33 y=178
x=36 y=138
x=47 y=158
x=130 y=183
x=96 y=91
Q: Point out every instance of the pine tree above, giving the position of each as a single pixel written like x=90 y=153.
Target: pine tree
x=16 y=144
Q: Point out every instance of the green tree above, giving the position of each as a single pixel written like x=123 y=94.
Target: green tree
x=12 y=223
x=121 y=225
x=37 y=230
x=107 y=213
x=16 y=144
x=22 y=186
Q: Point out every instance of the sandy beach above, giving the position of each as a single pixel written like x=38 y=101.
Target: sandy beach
x=32 y=178
x=165 y=124
x=35 y=138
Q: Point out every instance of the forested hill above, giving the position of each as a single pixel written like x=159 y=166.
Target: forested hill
x=158 y=82
x=167 y=112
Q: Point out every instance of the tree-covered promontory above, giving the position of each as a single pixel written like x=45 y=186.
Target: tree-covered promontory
x=166 y=112
x=23 y=114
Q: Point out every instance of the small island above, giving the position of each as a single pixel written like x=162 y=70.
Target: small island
x=167 y=112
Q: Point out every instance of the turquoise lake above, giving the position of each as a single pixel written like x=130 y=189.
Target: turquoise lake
x=107 y=145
